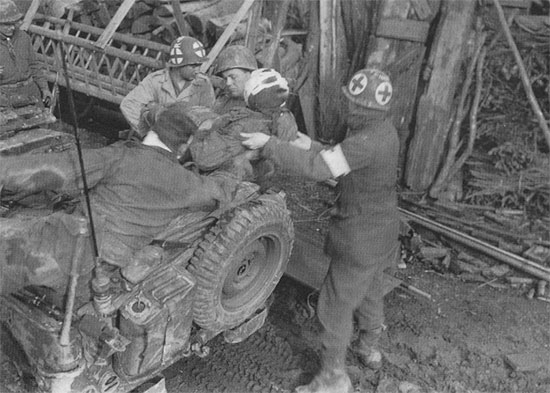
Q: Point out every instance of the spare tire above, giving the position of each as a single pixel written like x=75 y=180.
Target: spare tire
x=240 y=261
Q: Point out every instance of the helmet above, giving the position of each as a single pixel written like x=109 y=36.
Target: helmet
x=370 y=88
x=265 y=88
x=186 y=50
x=236 y=56
x=9 y=13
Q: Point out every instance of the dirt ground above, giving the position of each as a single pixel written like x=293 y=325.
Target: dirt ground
x=470 y=337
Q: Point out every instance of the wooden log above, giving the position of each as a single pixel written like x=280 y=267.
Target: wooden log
x=216 y=27
x=451 y=164
x=110 y=30
x=226 y=34
x=332 y=71
x=253 y=25
x=399 y=49
x=307 y=89
x=27 y=20
x=85 y=44
x=123 y=38
x=435 y=105
x=198 y=20
x=167 y=9
x=357 y=17
x=272 y=59
x=183 y=26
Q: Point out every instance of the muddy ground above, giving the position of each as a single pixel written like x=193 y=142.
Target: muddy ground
x=470 y=337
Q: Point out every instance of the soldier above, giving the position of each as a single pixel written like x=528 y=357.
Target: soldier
x=234 y=64
x=21 y=74
x=180 y=81
x=363 y=233
x=136 y=190
x=265 y=94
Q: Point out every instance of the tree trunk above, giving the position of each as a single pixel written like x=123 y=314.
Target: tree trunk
x=434 y=108
x=399 y=49
x=307 y=91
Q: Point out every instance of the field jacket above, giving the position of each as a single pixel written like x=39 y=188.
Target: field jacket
x=157 y=88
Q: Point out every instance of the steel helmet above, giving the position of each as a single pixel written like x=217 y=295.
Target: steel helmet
x=9 y=13
x=370 y=88
x=265 y=88
x=186 y=50
x=236 y=56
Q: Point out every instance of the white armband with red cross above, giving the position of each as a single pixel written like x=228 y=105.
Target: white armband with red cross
x=336 y=161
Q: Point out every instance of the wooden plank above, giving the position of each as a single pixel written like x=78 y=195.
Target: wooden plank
x=183 y=26
x=110 y=30
x=92 y=30
x=83 y=43
x=252 y=25
x=402 y=59
x=31 y=12
x=403 y=29
x=213 y=54
x=435 y=105
x=307 y=91
x=512 y=3
x=272 y=59
x=325 y=39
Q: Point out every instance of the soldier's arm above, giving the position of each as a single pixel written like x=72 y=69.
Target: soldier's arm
x=135 y=101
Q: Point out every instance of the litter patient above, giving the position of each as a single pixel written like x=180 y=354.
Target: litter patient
x=136 y=190
x=217 y=143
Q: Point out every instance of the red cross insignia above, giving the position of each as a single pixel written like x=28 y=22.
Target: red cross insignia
x=199 y=49
x=383 y=93
x=176 y=55
x=358 y=84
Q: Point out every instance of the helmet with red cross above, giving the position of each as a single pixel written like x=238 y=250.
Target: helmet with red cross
x=265 y=89
x=185 y=51
x=370 y=88
x=9 y=13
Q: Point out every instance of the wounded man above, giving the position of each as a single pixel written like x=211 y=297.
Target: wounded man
x=136 y=189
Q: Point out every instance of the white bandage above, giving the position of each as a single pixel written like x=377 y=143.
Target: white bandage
x=336 y=161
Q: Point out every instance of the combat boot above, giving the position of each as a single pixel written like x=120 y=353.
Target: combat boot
x=332 y=378
x=367 y=350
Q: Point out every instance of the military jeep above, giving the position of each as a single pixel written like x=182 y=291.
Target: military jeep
x=208 y=274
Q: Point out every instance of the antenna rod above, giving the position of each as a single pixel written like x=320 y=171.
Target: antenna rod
x=79 y=149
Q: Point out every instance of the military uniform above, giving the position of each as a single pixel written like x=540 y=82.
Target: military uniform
x=225 y=103
x=23 y=74
x=157 y=88
x=363 y=232
x=213 y=148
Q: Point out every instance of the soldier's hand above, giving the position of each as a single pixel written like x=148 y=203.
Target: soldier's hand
x=254 y=140
x=302 y=141
x=47 y=98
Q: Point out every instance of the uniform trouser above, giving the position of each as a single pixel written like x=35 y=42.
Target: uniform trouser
x=352 y=288
x=25 y=92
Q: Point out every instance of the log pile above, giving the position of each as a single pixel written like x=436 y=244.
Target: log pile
x=162 y=21
x=462 y=236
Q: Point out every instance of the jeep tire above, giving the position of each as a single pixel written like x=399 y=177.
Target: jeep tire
x=240 y=261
